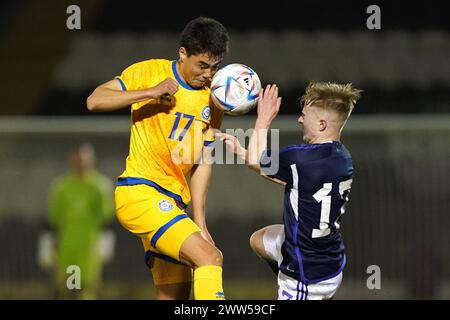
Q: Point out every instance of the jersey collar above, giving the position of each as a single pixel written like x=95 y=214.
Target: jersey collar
x=177 y=76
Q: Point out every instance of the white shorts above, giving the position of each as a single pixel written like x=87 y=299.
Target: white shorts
x=288 y=287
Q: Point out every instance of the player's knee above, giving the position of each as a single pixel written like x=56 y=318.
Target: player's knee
x=252 y=240
x=219 y=257
x=197 y=252
x=215 y=256
x=210 y=255
x=256 y=241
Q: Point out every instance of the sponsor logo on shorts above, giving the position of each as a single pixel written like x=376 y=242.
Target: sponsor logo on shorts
x=165 y=205
x=206 y=112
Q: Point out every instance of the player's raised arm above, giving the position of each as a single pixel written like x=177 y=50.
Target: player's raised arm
x=110 y=96
x=234 y=146
x=268 y=107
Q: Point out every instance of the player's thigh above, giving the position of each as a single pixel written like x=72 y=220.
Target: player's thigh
x=142 y=209
x=172 y=281
x=162 y=226
x=198 y=252
x=324 y=290
x=155 y=217
x=267 y=242
x=170 y=277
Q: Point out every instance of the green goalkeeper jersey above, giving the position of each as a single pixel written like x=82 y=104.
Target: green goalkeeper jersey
x=78 y=209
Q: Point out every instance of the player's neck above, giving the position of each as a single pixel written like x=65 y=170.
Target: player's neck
x=180 y=71
x=325 y=139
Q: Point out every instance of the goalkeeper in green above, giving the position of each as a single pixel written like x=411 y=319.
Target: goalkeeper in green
x=80 y=206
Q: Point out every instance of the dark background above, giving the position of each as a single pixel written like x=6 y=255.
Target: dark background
x=34 y=40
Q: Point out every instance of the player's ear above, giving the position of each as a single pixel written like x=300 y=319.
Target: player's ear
x=182 y=53
x=322 y=125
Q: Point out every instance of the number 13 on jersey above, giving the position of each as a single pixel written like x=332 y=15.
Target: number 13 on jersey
x=323 y=196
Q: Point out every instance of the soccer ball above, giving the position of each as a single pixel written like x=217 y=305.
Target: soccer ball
x=235 y=89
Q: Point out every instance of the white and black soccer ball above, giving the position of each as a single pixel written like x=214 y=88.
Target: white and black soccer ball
x=235 y=89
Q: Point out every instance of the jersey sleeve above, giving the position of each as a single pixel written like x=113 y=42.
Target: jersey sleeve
x=277 y=163
x=131 y=77
x=216 y=123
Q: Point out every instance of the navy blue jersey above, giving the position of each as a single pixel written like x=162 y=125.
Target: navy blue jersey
x=318 y=179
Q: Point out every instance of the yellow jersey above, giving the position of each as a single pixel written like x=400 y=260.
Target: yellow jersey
x=167 y=137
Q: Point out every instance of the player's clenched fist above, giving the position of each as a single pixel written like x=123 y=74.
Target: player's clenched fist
x=164 y=89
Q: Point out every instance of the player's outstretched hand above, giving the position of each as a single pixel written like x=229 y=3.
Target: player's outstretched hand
x=165 y=89
x=233 y=144
x=268 y=103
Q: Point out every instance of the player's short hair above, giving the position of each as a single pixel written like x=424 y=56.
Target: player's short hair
x=205 y=35
x=330 y=95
